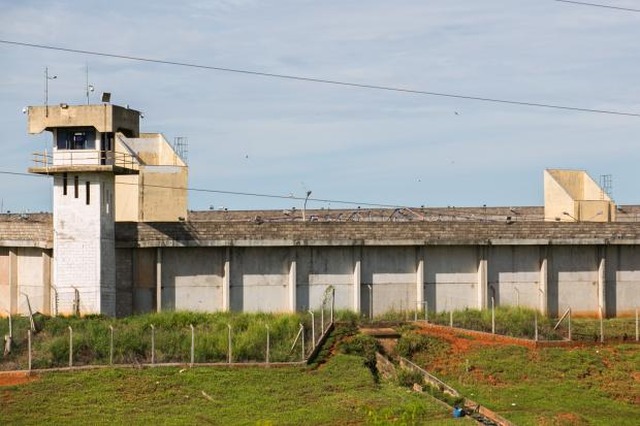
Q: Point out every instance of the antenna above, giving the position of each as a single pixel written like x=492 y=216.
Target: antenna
x=47 y=77
x=89 y=87
x=181 y=147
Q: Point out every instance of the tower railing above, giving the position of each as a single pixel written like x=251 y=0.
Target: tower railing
x=84 y=157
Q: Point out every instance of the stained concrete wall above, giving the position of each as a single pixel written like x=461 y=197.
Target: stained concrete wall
x=388 y=279
x=284 y=278
x=192 y=279
x=25 y=272
x=573 y=280
x=451 y=274
x=514 y=275
x=318 y=268
x=622 y=280
x=259 y=280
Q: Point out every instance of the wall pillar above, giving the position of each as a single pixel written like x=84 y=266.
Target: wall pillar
x=420 y=280
x=292 y=284
x=602 y=281
x=483 y=278
x=543 y=285
x=46 y=282
x=159 y=279
x=357 y=279
x=226 y=281
x=13 y=281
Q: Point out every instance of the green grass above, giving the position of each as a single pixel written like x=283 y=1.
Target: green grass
x=595 y=385
x=132 y=338
x=341 y=391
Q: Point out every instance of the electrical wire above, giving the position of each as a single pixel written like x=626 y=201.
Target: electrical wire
x=237 y=193
x=323 y=81
x=627 y=9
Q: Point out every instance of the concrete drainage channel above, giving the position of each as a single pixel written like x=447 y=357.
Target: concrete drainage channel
x=387 y=368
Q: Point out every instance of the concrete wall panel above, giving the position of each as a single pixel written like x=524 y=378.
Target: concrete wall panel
x=259 y=279
x=144 y=284
x=124 y=282
x=391 y=273
x=573 y=280
x=622 y=284
x=192 y=279
x=318 y=268
x=451 y=274
x=31 y=281
x=514 y=274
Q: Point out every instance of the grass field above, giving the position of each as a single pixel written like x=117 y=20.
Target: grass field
x=586 y=385
x=342 y=391
x=591 y=384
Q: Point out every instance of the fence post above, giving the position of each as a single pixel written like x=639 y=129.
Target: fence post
x=535 y=325
x=229 y=353
x=451 y=319
x=601 y=325
x=426 y=310
x=333 y=302
x=302 y=341
x=110 y=345
x=493 y=315
x=8 y=339
x=11 y=325
x=29 y=347
x=637 y=328
x=153 y=344
x=267 y=354
x=193 y=344
x=70 y=346
x=569 y=323
x=322 y=317
x=313 y=329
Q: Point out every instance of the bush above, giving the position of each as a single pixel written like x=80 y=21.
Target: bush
x=411 y=343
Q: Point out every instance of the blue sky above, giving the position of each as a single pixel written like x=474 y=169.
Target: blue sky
x=271 y=136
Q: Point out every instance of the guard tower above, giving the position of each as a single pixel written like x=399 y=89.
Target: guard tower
x=84 y=162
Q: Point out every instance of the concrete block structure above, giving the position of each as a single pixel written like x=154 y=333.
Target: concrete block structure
x=573 y=196
x=120 y=241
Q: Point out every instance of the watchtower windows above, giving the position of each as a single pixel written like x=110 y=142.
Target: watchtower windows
x=75 y=186
x=88 y=188
x=64 y=184
x=76 y=138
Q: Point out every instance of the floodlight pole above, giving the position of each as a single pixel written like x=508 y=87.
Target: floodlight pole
x=304 y=206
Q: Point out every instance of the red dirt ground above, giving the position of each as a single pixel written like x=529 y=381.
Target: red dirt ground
x=16 y=378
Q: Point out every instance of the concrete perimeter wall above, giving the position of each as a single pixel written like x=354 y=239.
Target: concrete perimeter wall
x=376 y=279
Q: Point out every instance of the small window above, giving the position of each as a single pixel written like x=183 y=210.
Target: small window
x=64 y=184
x=75 y=138
x=75 y=186
x=88 y=187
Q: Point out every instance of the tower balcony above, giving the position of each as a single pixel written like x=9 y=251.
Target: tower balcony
x=83 y=160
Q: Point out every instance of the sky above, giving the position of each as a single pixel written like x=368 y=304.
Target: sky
x=282 y=137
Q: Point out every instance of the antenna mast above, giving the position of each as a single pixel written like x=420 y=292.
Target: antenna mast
x=89 y=87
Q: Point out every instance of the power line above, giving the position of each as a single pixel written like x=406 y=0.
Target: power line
x=323 y=81
x=237 y=193
x=599 y=5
